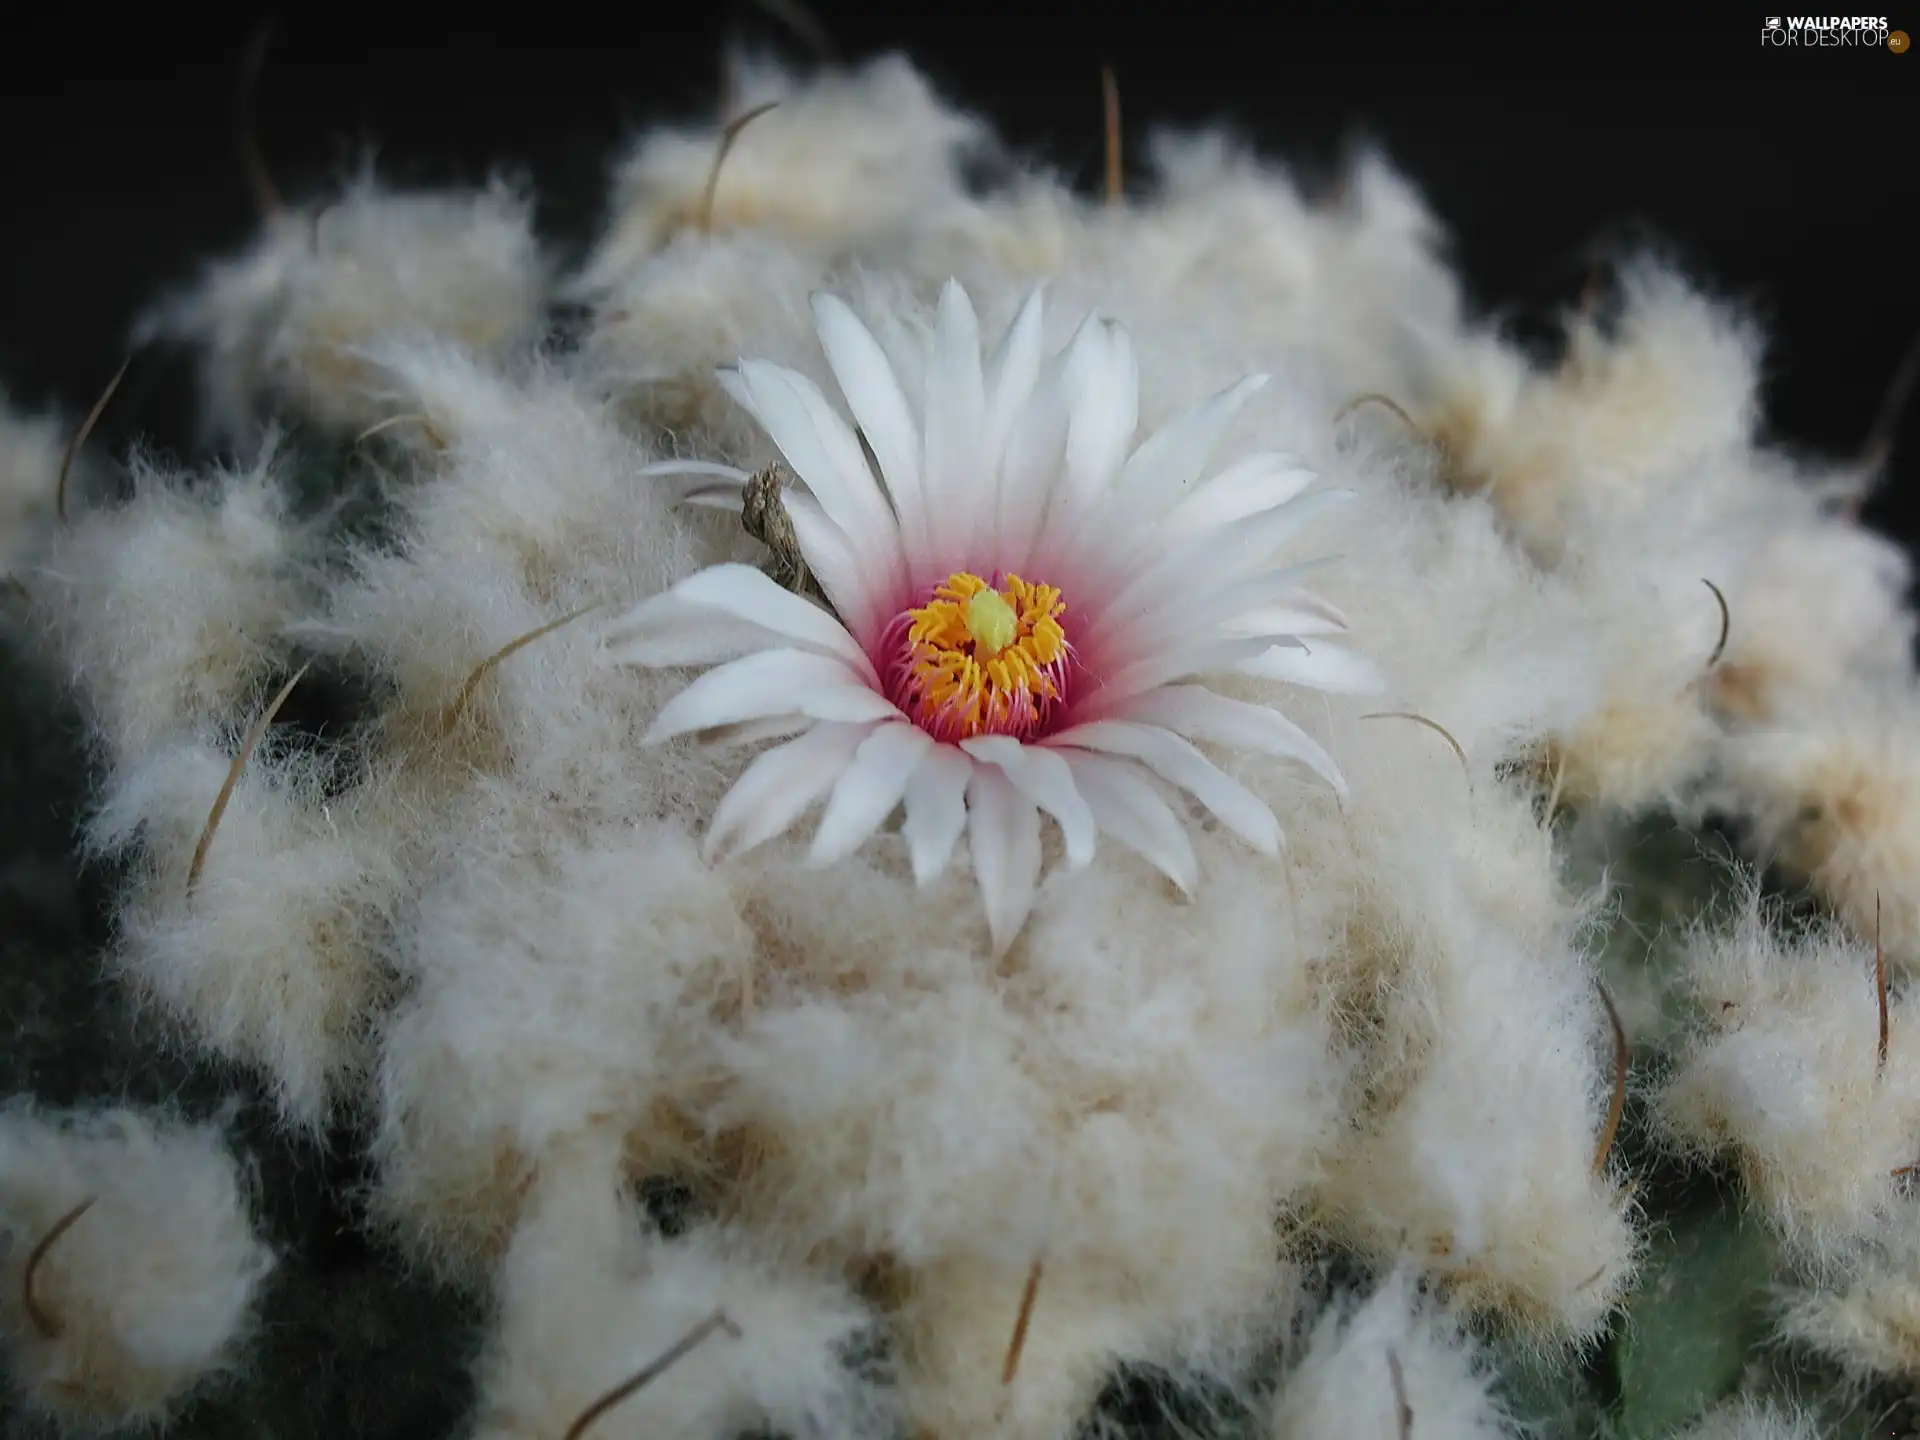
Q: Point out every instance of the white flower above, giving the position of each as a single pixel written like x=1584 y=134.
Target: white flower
x=1022 y=607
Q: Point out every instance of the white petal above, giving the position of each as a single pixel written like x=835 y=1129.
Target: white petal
x=879 y=405
x=693 y=467
x=773 y=682
x=905 y=345
x=1248 y=487
x=1334 y=615
x=1103 y=388
x=1031 y=468
x=825 y=454
x=835 y=561
x=866 y=495
x=720 y=613
x=1219 y=558
x=1012 y=374
x=714 y=495
x=1199 y=714
x=1178 y=763
x=1190 y=616
x=692 y=635
x=757 y=732
x=1302 y=613
x=1004 y=827
x=1320 y=666
x=735 y=384
x=1043 y=777
x=936 y=810
x=868 y=789
x=1165 y=664
x=1166 y=466
x=1106 y=413
x=1173 y=653
x=1129 y=809
x=776 y=789
x=702 y=482
x=959 y=489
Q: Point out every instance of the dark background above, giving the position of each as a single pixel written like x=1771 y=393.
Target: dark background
x=1777 y=175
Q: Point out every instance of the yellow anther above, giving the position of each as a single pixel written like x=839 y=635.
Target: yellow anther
x=977 y=660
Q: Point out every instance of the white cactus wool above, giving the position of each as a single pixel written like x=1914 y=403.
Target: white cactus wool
x=915 y=805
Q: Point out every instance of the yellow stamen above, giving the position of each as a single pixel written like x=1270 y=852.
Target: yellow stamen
x=976 y=660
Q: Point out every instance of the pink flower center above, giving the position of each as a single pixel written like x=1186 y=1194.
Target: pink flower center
x=976 y=660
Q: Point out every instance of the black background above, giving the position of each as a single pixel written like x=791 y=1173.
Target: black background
x=1776 y=175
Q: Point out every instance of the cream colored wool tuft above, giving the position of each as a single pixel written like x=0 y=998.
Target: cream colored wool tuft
x=146 y=1293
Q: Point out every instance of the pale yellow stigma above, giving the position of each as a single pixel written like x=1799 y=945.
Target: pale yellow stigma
x=992 y=623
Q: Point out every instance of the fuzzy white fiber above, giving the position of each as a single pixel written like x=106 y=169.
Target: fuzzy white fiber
x=1785 y=1072
x=1821 y=604
x=271 y=958
x=1626 y=415
x=483 y=917
x=1867 y=1318
x=1831 y=791
x=1346 y=1382
x=588 y=1297
x=151 y=1290
x=294 y=316
x=837 y=165
x=1752 y=1420
x=165 y=610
